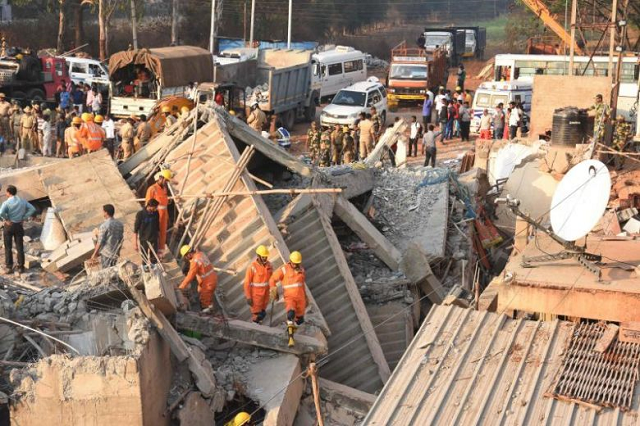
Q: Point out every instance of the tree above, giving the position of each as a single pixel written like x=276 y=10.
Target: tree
x=106 y=9
x=61 y=27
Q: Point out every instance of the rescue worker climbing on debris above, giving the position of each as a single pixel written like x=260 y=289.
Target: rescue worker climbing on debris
x=91 y=134
x=200 y=268
x=72 y=138
x=169 y=119
x=292 y=278
x=257 y=118
x=159 y=192
x=256 y=284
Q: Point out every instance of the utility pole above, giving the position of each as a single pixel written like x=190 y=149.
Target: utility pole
x=574 y=12
x=612 y=36
x=133 y=24
x=616 y=79
x=174 y=22
x=253 y=21
x=289 y=25
x=213 y=27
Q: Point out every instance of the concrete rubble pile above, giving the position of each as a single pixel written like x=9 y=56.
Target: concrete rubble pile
x=379 y=250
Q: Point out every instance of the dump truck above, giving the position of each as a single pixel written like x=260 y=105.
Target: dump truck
x=26 y=77
x=413 y=71
x=475 y=42
x=141 y=78
x=449 y=39
x=279 y=80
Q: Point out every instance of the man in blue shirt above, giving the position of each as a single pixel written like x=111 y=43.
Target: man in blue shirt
x=13 y=212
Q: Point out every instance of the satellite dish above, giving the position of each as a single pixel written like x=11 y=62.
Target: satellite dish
x=580 y=200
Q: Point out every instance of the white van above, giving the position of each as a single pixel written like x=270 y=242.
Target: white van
x=87 y=71
x=348 y=103
x=491 y=93
x=336 y=69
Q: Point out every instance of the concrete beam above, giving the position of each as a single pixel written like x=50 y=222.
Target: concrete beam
x=345 y=396
x=353 y=182
x=240 y=130
x=28 y=182
x=249 y=333
x=388 y=139
x=606 y=305
x=368 y=233
x=415 y=265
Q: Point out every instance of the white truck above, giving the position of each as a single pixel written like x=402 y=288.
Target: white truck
x=140 y=78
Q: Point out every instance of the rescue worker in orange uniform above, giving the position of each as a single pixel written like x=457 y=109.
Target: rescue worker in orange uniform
x=256 y=284
x=72 y=139
x=91 y=134
x=201 y=268
x=292 y=277
x=159 y=192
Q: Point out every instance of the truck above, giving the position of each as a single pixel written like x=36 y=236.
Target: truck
x=141 y=78
x=475 y=42
x=413 y=71
x=449 y=39
x=279 y=80
x=26 y=77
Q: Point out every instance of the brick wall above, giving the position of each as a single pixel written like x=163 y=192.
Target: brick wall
x=551 y=92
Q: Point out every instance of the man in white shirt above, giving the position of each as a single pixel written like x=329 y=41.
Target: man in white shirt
x=438 y=101
x=514 y=120
x=415 y=133
x=110 y=134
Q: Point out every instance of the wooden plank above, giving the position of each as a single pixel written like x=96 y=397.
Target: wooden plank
x=250 y=333
x=368 y=233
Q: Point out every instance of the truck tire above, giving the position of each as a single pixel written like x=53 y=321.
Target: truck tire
x=36 y=95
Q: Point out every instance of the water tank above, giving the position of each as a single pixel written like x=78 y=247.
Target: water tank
x=569 y=126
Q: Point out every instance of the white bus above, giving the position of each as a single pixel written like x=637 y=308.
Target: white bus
x=510 y=67
x=336 y=69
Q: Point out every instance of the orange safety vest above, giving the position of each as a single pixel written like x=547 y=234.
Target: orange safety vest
x=293 y=281
x=257 y=278
x=91 y=136
x=159 y=194
x=200 y=267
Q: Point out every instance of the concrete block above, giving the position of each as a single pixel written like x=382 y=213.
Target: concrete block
x=53 y=234
x=632 y=226
x=195 y=411
x=159 y=291
x=629 y=332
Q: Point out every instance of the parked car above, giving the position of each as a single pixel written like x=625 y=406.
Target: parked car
x=349 y=102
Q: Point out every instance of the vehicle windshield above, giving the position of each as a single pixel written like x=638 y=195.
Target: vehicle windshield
x=408 y=72
x=349 y=98
x=437 y=39
x=470 y=38
x=489 y=100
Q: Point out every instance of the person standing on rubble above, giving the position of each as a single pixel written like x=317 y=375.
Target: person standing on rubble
x=28 y=135
x=256 y=284
x=91 y=134
x=349 y=150
x=621 y=135
x=415 y=133
x=337 y=139
x=324 y=155
x=14 y=124
x=313 y=142
x=126 y=133
x=146 y=231
x=143 y=134
x=367 y=136
x=160 y=192
x=5 y=112
x=200 y=268
x=601 y=115
x=257 y=118
x=109 y=128
x=429 y=146
x=110 y=238
x=72 y=139
x=293 y=280
x=13 y=212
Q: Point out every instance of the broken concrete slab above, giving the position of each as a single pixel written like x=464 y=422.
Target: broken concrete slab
x=26 y=180
x=368 y=233
x=415 y=265
x=71 y=254
x=388 y=139
x=52 y=235
x=393 y=322
x=159 y=291
x=267 y=388
x=249 y=333
x=195 y=411
x=345 y=396
x=353 y=181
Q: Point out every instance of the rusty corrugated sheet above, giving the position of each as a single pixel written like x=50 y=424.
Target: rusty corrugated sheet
x=467 y=367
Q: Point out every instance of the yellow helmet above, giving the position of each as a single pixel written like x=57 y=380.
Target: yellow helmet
x=98 y=119
x=166 y=173
x=185 y=109
x=262 y=251
x=86 y=117
x=241 y=419
x=166 y=109
x=76 y=120
x=458 y=88
x=295 y=257
x=232 y=112
x=184 y=250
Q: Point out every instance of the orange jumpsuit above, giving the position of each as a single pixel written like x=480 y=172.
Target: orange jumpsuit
x=200 y=267
x=293 y=285
x=91 y=136
x=256 y=288
x=160 y=194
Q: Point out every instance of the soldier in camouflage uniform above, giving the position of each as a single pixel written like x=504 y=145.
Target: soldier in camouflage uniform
x=377 y=121
x=621 y=134
x=324 y=154
x=349 y=146
x=337 y=138
x=602 y=112
x=313 y=142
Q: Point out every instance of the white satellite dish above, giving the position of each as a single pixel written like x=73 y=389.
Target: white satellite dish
x=580 y=200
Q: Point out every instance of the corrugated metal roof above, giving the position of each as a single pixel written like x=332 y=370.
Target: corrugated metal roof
x=361 y=363
x=80 y=189
x=467 y=367
x=243 y=223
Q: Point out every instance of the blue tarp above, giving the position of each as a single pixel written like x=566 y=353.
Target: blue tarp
x=235 y=43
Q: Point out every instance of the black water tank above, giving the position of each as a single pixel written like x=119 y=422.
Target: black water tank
x=569 y=126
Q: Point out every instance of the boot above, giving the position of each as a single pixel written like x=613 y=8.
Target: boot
x=291 y=329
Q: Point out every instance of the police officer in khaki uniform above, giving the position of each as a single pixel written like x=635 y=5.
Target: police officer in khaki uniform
x=14 y=123
x=336 y=145
x=324 y=155
x=28 y=130
x=5 y=112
